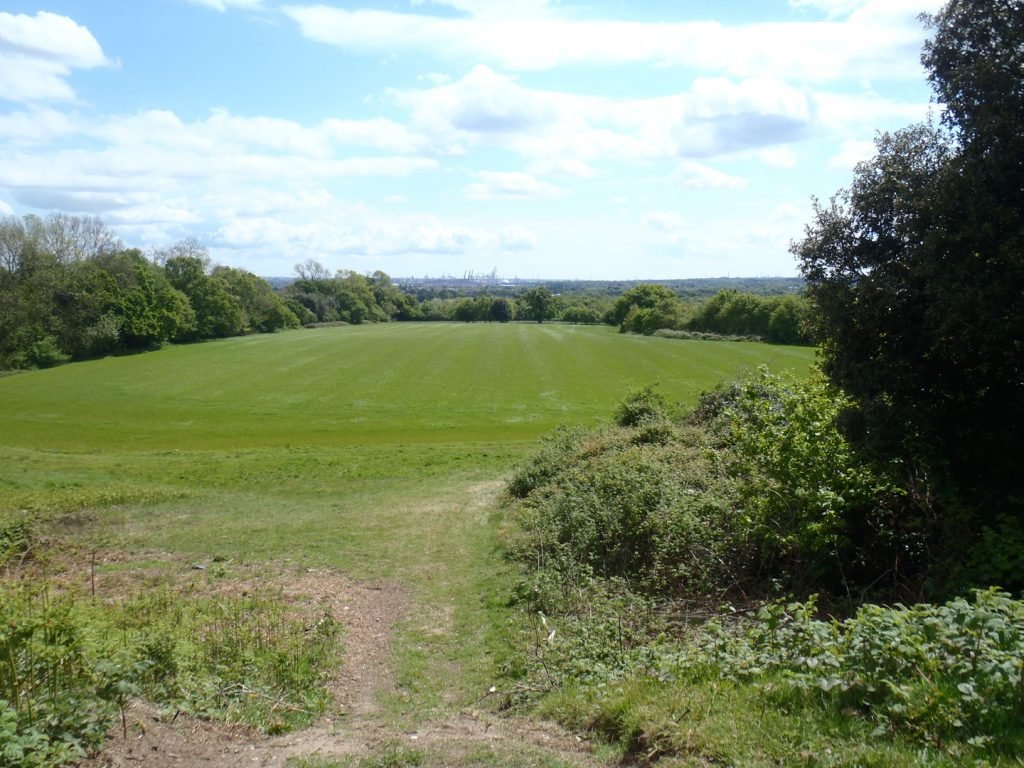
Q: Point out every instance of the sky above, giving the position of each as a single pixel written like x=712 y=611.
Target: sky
x=587 y=139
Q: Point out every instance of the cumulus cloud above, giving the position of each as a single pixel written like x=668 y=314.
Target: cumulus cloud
x=695 y=175
x=831 y=8
x=138 y=171
x=517 y=238
x=495 y=9
x=665 y=222
x=224 y=5
x=36 y=125
x=38 y=54
x=851 y=153
x=5 y=209
x=362 y=231
x=780 y=157
x=880 y=39
x=510 y=186
x=560 y=132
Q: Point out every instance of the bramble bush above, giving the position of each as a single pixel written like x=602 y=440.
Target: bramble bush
x=627 y=533
x=755 y=490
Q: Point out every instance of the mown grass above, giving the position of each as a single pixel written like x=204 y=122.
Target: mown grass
x=376 y=450
x=321 y=445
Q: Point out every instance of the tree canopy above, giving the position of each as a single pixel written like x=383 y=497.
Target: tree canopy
x=70 y=289
x=916 y=271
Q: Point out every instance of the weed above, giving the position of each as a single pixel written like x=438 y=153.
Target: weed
x=67 y=667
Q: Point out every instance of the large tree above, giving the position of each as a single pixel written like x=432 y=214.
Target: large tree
x=917 y=274
x=540 y=303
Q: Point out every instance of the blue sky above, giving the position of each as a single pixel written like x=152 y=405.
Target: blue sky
x=599 y=139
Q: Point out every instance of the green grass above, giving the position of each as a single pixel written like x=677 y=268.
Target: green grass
x=409 y=383
x=320 y=444
x=376 y=450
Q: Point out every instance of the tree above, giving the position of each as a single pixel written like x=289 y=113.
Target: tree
x=540 y=303
x=73 y=238
x=581 y=313
x=645 y=296
x=915 y=272
x=788 y=320
x=312 y=270
x=262 y=309
x=502 y=310
x=218 y=313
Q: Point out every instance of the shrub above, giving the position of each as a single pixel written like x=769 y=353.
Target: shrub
x=755 y=489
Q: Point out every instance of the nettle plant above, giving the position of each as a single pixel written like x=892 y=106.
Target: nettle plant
x=939 y=671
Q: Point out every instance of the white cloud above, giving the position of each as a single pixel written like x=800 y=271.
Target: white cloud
x=359 y=231
x=566 y=166
x=851 y=153
x=38 y=53
x=147 y=169
x=435 y=78
x=241 y=202
x=517 y=238
x=843 y=112
x=510 y=186
x=379 y=133
x=831 y=8
x=697 y=176
x=495 y=9
x=36 y=126
x=779 y=157
x=223 y=5
x=665 y=223
x=559 y=132
x=879 y=40
x=5 y=209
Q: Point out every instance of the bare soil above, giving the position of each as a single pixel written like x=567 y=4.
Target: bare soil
x=356 y=727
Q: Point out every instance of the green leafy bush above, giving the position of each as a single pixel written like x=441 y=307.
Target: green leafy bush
x=67 y=667
x=755 y=490
x=954 y=670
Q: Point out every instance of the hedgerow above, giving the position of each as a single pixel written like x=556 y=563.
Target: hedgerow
x=756 y=489
x=631 y=534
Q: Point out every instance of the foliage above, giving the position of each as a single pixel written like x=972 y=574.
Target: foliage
x=347 y=296
x=67 y=667
x=915 y=270
x=50 y=712
x=823 y=517
x=641 y=406
x=624 y=530
x=757 y=487
x=641 y=297
x=585 y=309
x=667 y=333
x=940 y=671
x=930 y=684
x=777 y=319
x=650 y=309
x=69 y=290
x=263 y=311
x=540 y=304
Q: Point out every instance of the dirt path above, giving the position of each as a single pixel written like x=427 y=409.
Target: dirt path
x=355 y=728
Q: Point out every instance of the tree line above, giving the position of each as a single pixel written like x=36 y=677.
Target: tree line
x=316 y=296
x=780 y=319
x=70 y=290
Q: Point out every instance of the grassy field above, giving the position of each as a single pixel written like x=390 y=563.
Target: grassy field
x=375 y=450
x=268 y=446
